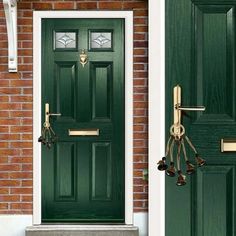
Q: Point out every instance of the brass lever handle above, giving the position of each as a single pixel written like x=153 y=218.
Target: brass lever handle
x=48 y=114
x=177 y=128
x=198 y=108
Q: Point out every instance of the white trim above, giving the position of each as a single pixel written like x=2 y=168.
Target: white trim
x=156 y=116
x=37 y=18
x=10 y=8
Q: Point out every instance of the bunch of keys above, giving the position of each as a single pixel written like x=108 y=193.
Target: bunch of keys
x=177 y=138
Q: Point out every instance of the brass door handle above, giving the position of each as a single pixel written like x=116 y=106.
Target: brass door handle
x=48 y=114
x=178 y=108
x=84 y=132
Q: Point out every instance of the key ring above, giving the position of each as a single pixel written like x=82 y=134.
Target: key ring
x=177 y=135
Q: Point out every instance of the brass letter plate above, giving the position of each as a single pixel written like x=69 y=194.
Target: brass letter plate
x=84 y=132
x=228 y=145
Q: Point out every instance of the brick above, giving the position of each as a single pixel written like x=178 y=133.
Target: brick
x=9 y=75
x=27 y=106
x=27 y=183
x=140 y=44
x=22 y=83
x=64 y=5
x=10 y=106
x=21 y=113
x=12 y=167
x=8 y=183
x=3 y=205
x=140 y=120
x=140 y=74
x=9 y=152
x=26 y=29
x=140 y=195
x=138 y=67
x=138 y=189
x=24 y=5
x=87 y=5
x=9 y=198
x=27 y=91
x=9 y=136
x=140 y=12
x=42 y=6
x=27 y=13
x=140 y=165
x=140 y=104
x=137 y=4
x=4 y=175
x=141 y=59
x=3 y=144
x=9 y=121
x=21 y=144
x=25 y=21
x=138 y=174
x=27 y=167
x=21 y=98
x=27 y=137
x=4 y=114
x=110 y=5
x=21 y=160
x=27 y=198
x=138 y=128
x=9 y=90
x=4 y=99
x=21 y=129
x=21 y=191
x=21 y=205
x=26 y=52
x=138 y=204
x=28 y=60
x=140 y=21
x=26 y=67
x=26 y=45
x=21 y=175
x=4 y=190
x=27 y=152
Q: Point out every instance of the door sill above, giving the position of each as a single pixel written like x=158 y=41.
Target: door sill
x=82 y=230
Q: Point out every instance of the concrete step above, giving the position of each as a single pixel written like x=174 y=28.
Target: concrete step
x=82 y=230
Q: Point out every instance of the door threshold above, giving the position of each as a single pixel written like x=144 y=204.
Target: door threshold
x=82 y=230
x=80 y=227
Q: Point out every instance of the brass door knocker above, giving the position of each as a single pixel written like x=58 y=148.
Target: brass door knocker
x=83 y=57
x=177 y=138
x=48 y=136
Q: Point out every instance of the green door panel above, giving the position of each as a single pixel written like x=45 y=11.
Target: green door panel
x=200 y=56
x=83 y=176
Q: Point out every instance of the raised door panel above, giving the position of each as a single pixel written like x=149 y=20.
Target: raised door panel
x=101 y=172
x=101 y=79
x=215 y=59
x=65 y=172
x=65 y=81
x=215 y=194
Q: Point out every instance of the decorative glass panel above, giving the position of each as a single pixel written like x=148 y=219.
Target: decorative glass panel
x=65 y=40
x=100 y=40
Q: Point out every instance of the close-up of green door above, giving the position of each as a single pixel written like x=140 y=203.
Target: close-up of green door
x=83 y=173
x=200 y=57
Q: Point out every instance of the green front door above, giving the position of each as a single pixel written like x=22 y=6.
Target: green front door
x=200 y=57
x=83 y=176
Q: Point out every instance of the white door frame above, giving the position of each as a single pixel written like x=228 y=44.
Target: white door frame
x=156 y=116
x=37 y=20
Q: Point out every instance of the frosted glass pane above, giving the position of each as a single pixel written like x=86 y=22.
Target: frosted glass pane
x=65 y=40
x=100 y=40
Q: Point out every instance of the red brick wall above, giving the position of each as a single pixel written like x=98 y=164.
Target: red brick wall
x=16 y=103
